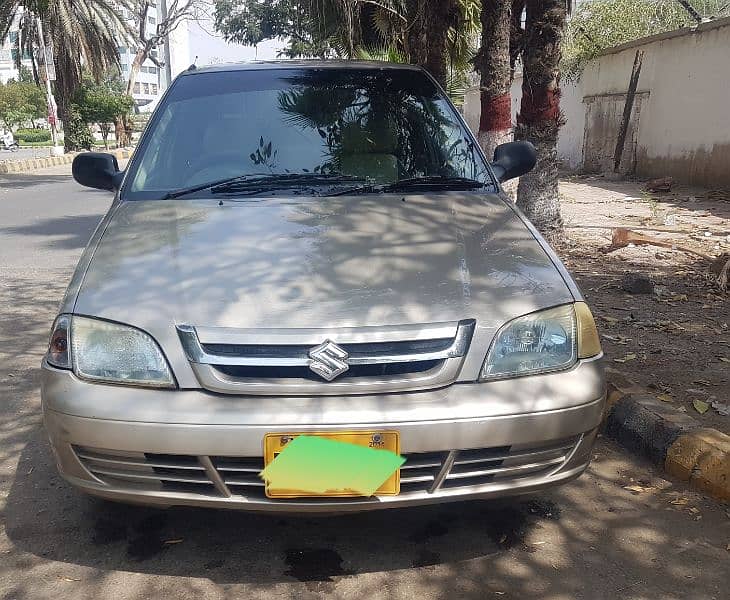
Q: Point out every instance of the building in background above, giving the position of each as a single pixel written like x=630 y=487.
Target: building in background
x=8 y=56
x=192 y=42
x=150 y=82
x=197 y=42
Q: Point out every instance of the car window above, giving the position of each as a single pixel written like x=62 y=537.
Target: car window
x=379 y=124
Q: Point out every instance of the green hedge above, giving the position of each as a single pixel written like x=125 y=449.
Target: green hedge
x=33 y=135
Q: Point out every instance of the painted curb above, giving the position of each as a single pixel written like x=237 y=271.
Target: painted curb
x=673 y=440
x=33 y=164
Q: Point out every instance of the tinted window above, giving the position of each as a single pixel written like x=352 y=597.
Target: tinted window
x=379 y=124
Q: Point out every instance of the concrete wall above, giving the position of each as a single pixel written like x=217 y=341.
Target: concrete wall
x=683 y=128
x=569 y=150
x=681 y=123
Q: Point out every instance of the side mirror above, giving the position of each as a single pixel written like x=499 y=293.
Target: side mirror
x=97 y=170
x=513 y=159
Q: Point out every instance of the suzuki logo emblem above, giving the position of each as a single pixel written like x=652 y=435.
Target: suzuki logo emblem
x=328 y=360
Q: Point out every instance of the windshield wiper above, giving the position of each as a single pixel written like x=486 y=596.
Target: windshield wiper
x=262 y=181
x=431 y=181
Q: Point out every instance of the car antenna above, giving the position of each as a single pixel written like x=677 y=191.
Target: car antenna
x=193 y=67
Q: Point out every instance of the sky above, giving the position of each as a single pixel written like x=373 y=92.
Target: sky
x=210 y=48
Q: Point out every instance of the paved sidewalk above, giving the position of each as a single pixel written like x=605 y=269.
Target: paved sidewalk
x=40 y=161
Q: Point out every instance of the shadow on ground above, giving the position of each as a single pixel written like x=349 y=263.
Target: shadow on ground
x=18 y=181
x=237 y=547
x=686 y=197
x=72 y=232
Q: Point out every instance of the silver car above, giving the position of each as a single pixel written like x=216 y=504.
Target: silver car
x=316 y=248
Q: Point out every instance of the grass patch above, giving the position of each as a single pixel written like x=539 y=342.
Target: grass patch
x=35 y=144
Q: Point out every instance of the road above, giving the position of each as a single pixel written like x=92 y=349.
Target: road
x=592 y=539
x=24 y=153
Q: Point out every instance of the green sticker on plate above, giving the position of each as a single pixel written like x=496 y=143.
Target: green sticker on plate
x=318 y=465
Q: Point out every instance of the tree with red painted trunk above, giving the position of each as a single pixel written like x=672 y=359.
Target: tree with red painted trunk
x=492 y=62
x=539 y=118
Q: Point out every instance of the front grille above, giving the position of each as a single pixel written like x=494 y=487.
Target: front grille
x=355 y=350
x=169 y=472
x=374 y=370
x=285 y=362
x=227 y=476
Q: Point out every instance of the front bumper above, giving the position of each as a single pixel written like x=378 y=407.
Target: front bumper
x=185 y=447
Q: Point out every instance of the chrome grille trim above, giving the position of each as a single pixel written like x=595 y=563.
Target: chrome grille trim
x=425 y=357
x=230 y=477
x=196 y=353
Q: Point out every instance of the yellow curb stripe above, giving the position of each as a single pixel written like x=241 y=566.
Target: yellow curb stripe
x=702 y=457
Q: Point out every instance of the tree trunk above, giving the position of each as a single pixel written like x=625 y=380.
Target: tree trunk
x=62 y=104
x=134 y=68
x=539 y=119
x=416 y=31
x=492 y=62
x=440 y=15
x=427 y=34
x=123 y=125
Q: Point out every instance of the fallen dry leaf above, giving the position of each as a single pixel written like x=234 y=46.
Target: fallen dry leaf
x=721 y=408
x=700 y=406
x=664 y=398
x=723 y=359
x=69 y=579
x=679 y=501
x=628 y=357
x=176 y=541
x=638 y=488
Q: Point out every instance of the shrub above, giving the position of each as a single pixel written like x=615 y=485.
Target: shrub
x=33 y=135
x=77 y=135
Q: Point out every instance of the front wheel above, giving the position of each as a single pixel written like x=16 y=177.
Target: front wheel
x=14 y=147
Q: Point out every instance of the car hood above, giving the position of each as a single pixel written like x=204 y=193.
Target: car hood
x=318 y=262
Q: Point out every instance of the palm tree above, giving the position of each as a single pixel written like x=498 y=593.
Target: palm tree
x=539 y=119
x=435 y=34
x=84 y=35
x=492 y=62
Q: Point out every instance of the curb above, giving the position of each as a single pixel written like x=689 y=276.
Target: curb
x=670 y=439
x=32 y=164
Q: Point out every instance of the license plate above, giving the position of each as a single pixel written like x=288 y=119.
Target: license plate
x=274 y=443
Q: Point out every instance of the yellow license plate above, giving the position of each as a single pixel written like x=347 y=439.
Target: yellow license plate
x=274 y=443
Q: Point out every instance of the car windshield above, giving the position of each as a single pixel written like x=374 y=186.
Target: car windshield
x=376 y=125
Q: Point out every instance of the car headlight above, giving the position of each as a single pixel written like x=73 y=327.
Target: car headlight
x=548 y=340
x=108 y=352
x=59 y=354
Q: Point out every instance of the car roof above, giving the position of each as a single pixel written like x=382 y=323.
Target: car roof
x=266 y=65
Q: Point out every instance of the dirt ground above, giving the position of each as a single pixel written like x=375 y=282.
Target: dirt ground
x=675 y=340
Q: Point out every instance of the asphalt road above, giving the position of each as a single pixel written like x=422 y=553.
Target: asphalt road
x=23 y=153
x=591 y=539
